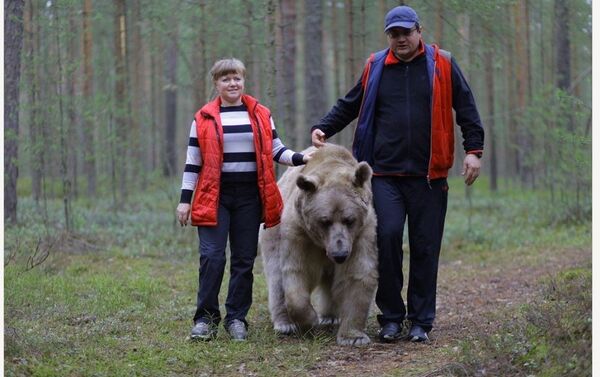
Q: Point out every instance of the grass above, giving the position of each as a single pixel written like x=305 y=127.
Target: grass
x=551 y=337
x=115 y=296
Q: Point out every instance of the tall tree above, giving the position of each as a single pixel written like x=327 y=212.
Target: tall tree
x=72 y=76
x=439 y=22
x=120 y=162
x=491 y=125
x=563 y=50
x=522 y=84
x=171 y=104
x=137 y=95
x=271 y=68
x=350 y=40
x=200 y=71
x=89 y=156
x=32 y=36
x=13 y=42
x=252 y=52
x=287 y=70
x=64 y=147
x=313 y=67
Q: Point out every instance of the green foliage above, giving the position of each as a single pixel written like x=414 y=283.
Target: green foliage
x=509 y=220
x=550 y=337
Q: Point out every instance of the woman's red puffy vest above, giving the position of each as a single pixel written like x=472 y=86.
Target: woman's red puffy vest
x=210 y=139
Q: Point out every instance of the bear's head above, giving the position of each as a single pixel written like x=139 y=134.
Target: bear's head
x=334 y=207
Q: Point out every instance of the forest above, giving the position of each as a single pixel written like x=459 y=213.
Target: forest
x=99 y=97
x=101 y=94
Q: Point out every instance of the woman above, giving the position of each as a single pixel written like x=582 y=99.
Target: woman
x=229 y=188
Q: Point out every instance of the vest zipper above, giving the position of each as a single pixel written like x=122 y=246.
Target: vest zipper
x=408 y=115
x=220 y=163
x=259 y=161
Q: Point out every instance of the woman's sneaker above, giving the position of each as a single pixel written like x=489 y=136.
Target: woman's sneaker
x=203 y=331
x=237 y=330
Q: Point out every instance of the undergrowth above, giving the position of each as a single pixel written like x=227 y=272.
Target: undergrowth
x=551 y=337
x=115 y=295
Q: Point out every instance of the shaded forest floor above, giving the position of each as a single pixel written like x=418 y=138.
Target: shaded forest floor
x=115 y=297
x=475 y=301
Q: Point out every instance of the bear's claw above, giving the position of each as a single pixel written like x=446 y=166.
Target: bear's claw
x=358 y=340
x=285 y=329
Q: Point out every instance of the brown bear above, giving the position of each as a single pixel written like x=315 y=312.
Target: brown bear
x=326 y=245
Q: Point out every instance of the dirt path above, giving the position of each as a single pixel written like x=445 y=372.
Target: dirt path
x=467 y=293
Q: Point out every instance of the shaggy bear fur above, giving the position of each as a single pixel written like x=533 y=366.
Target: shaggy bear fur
x=326 y=245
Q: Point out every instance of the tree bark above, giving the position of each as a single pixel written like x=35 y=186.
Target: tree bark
x=287 y=72
x=120 y=111
x=13 y=42
x=439 y=23
x=491 y=127
x=200 y=73
x=171 y=105
x=315 y=106
x=64 y=147
x=252 y=53
x=74 y=120
x=522 y=84
x=563 y=51
x=353 y=71
x=32 y=33
x=89 y=156
x=136 y=159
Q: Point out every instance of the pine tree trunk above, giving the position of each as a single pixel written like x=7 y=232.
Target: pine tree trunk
x=200 y=71
x=74 y=124
x=287 y=72
x=563 y=51
x=89 y=156
x=64 y=147
x=138 y=94
x=32 y=33
x=491 y=126
x=439 y=22
x=13 y=42
x=171 y=105
x=315 y=106
x=120 y=111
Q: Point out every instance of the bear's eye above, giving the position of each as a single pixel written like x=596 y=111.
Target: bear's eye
x=348 y=221
x=325 y=223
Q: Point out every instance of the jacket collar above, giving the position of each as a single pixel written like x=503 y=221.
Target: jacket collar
x=213 y=108
x=392 y=59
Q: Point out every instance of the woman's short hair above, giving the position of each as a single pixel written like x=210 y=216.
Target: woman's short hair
x=226 y=66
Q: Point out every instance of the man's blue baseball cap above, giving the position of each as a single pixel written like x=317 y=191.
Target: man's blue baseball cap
x=402 y=16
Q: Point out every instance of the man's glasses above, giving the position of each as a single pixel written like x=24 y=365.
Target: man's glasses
x=400 y=32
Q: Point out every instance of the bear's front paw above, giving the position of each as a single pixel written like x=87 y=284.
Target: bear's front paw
x=353 y=338
x=285 y=328
x=328 y=321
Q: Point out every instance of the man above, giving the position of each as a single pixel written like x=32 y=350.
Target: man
x=405 y=131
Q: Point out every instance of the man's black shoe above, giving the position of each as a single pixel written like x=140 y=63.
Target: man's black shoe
x=417 y=334
x=390 y=332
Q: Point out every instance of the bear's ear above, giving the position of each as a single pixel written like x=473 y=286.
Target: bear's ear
x=362 y=174
x=306 y=183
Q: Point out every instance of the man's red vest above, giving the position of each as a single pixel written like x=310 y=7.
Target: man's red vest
x=210 y=139
x=439 y=67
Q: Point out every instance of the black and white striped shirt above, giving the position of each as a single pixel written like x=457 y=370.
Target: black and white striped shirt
x=239 y=157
